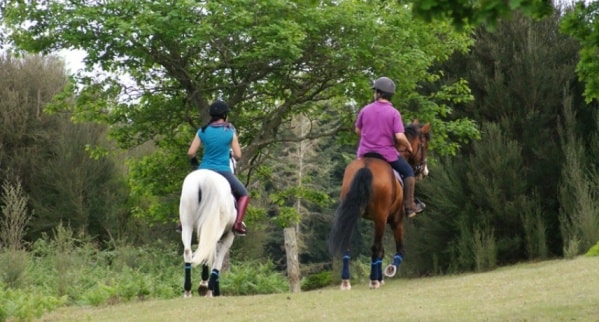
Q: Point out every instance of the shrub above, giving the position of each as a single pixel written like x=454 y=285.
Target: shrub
x=594 y=251
x=98 y=295
x=250 y=278
x=15 y=216
x=572 y=248
x=25 y=305
x=316 y=281
x=13 y=268
x=71 y=270
x=485 y=250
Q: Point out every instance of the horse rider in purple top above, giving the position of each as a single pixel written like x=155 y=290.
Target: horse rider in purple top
x=380 y=126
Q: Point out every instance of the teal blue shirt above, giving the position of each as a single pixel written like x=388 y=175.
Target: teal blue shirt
x=216 y=140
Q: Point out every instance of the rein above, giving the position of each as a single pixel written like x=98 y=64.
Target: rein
x=418 y=168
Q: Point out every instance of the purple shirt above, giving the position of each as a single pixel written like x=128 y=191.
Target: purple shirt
x=378 y=122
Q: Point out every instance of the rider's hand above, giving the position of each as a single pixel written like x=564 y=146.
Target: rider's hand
x=194 y=163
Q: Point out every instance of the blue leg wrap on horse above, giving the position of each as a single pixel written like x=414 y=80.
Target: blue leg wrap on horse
x=376 y=270
x=213 y=284
x=397 y=260
x=345 y=269
x=213 y=280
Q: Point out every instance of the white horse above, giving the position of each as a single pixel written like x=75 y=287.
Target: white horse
x=207 y=204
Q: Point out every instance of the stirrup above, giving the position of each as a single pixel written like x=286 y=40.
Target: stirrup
x=411 y=213
x=240 y=232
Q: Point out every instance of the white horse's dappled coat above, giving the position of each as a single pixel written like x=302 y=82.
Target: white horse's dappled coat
x=207 y=205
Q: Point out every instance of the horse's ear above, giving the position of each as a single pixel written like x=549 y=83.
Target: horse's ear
x=426 y=127
x=415 y=122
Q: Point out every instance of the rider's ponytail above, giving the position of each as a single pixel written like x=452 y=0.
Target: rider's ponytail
x=212 y=120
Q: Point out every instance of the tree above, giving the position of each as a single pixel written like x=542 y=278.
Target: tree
x=294 y=192
x=580 y=21
x=476 y=207
x=520 y=75
x=477 y=13
x=48 y=154
x=579 y=211
x=269 y=59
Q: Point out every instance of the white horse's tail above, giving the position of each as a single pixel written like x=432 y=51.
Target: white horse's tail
x=215 y=214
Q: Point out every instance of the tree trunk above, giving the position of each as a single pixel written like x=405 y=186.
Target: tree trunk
x=291 y=249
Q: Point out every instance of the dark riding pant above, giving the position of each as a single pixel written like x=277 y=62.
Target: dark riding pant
x=402 y=166
x=236 y=186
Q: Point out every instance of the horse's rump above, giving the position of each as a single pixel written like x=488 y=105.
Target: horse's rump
x=369 y=190
x=212 y=214
x=385 y=187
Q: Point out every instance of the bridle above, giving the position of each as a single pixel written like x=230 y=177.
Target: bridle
x=418 y=168
x=419 y=154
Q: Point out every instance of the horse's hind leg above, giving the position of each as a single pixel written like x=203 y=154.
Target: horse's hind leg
x=376 y=273
x=221 y=251
x=213 y=284
x=376 y=268
x=345 y=278
x=187 y=254
x=187 y=282
x=203 y=287
x=398 y=232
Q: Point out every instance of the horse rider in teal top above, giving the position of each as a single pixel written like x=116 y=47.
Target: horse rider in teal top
x=220 y=142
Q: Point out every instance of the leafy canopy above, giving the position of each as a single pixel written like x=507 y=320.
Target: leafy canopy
x=479 y=12
x=153 y=67
x=580 y=21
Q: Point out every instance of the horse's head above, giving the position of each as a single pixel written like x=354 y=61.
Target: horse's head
x=419 y=136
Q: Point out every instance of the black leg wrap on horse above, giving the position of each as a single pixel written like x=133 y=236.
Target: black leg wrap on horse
x=205 y=273
x=213 y=284
x=187 y=283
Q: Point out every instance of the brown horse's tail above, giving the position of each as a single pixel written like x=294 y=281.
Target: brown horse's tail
x=351 y=208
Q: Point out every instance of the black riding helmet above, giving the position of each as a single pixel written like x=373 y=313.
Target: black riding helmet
x=219 y=108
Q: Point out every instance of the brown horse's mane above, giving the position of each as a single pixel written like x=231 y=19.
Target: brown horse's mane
x=413 y=130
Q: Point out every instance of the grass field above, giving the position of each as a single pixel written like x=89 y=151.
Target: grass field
x=556 y=290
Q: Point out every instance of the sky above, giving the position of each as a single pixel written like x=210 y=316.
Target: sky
x=73 y=59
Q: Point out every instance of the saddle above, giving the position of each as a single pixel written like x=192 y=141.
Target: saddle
x=395 y=173
x=378 y=156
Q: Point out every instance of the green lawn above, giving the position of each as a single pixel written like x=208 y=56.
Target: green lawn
x=556 y=290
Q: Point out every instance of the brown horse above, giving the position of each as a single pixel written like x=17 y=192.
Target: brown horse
x=372 y=191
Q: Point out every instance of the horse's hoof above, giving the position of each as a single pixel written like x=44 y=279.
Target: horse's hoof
x=203 y=288
x=187 y=294
x=390 y=270
x=345 y=285
x=209 y=293
x=375 y=284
